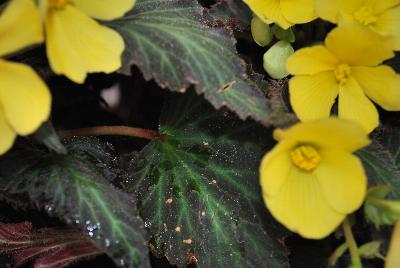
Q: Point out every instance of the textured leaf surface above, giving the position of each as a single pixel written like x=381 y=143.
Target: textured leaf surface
x=76 y=188
x=170 y=42
x=49 y=247
x=382 y=160
x=199 y=189
x=232 y=13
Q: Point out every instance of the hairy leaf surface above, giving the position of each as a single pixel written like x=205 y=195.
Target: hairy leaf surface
x=170 y=42
x=76 y=188
x=199 y=191
x=232 y=13
x=382 y=160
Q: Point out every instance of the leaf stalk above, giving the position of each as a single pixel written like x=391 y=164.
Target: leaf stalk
x=111 y=131
x=351 y=242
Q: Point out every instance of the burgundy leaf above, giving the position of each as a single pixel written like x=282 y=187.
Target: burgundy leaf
x=49 y=247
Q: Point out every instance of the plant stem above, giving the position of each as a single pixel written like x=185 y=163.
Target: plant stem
x=351 y=242
x=111 y=131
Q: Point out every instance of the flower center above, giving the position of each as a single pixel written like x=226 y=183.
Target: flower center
x=342 y=73
x=365 y=15
x=305 y=157
x=57 y=4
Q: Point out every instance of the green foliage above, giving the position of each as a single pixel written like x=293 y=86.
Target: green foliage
x=380 y=211
x=282 y=34
x=170 y=42
x=382 y=160
x=76 y=188
x=198 y=189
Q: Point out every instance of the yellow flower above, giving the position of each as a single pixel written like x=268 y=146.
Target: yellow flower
x=77 y=44
x=285 y=13
x=311 y=180
x=347 y=66
x=24 y=98
x=383 y=16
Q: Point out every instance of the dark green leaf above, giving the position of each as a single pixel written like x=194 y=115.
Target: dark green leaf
x=76 y=188
x=169 y=41
x=382 y=160
x=232 y=13
x=199 y=191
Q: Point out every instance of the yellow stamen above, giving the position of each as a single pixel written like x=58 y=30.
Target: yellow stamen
x=305 y=157
x=57 y=4
x=365 y=15
x=342 y=73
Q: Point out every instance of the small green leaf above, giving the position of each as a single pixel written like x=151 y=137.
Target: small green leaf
x=282 y=34
x=199 y=189
x=170 y=42
x=76 y=188
x=370 y=250
x=382 y=160
x=48 y=136
x=382 y=212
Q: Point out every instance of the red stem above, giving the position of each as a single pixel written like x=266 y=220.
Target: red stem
x=111 y=131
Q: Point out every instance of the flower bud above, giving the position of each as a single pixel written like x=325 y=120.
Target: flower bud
x=261 y=32
x=275 y=59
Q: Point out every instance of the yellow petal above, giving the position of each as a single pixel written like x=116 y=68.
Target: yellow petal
x=342 y=179
x=298 y=11
x=77 y=44
x=311 y=60
x=389 y=23
x=357 y=45
x=20 y=26
x=355 y=106
x=274 y=168
x=330 y=9
x=312 y=96
x=348 y=136
x=104 y=9
x=380 y=6
x=302 y=208
x=7 y=134
x=24 y=97
x=381 y=84
x=269 y=10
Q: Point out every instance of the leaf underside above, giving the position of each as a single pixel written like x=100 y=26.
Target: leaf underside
x=49 y=247
x=170 y=42
x=199 y=192
x=76 y=188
